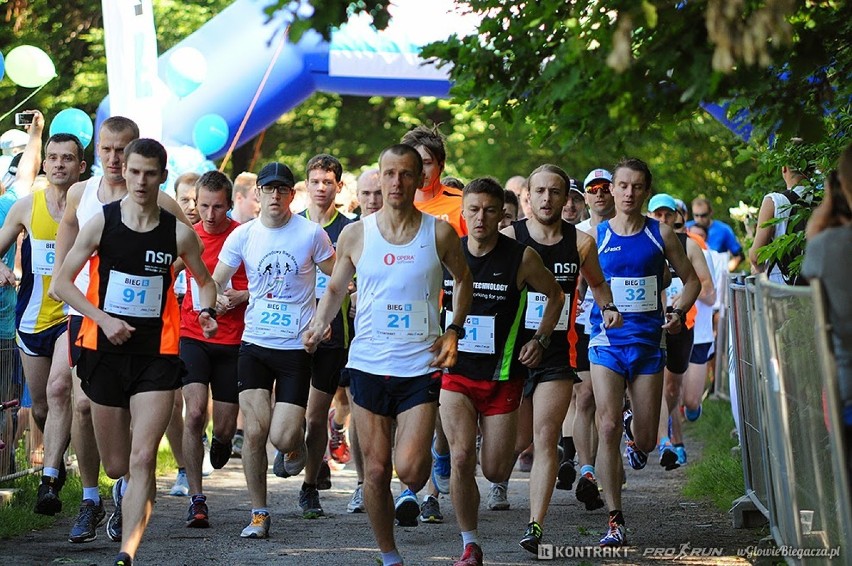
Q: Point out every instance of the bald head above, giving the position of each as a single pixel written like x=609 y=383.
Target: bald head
x=369 y=192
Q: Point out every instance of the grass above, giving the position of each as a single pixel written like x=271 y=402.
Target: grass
x=717 y=475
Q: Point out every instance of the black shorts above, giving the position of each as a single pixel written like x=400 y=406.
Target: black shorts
x=540 y=375
x=702 y=353
x=288 y=371
x=389 y=396
x=679 y=350
x=111 y=379
x=325 y=368
x=212 y=364
x=582 y=348
x=75 y=323
x=344 y=378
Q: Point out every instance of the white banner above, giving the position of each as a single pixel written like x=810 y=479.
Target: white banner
x=131 y=53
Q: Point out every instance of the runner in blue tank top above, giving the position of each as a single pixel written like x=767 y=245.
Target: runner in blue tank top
x=633 y=250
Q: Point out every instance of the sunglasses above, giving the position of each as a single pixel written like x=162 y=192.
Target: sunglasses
x=705 y=215
x=602 y=187
x=281 y=189
x=678 y=225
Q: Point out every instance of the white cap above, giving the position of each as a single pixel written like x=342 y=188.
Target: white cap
x=597 y=174
x=13 y=139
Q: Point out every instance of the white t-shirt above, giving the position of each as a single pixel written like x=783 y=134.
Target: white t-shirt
x=782 y=211
x=88 y=207
x=281 y=268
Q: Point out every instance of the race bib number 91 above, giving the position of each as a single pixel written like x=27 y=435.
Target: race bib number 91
x=133 y=295
x=408 y=322
x=635 y=294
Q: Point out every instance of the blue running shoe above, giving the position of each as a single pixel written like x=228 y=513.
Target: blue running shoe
x=614 y=535
x=668 y=456
x=635 y=457
x=406 y=509
x=691 y=415
x=627 y=419
x=440 y=471
x=680 y=450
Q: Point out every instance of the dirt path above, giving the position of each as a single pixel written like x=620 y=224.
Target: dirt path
x=657 y=515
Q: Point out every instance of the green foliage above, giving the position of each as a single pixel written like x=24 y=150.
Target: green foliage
x=329 y=14
x=18 y=517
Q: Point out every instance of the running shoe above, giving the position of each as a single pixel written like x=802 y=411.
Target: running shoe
x=123 y=559
x=259 y=526
x=472 y=556
x=566 y=475
x=635 y=457
x=290 y=463
x=206 y=464
x=680 y=450
x=497 y=499
x=220 y=453
x=531 y=538
x=324 y=475
x=627 y=419
x=668 y=457
x=309 y=502
x=430 y=510
x=614 y=535
x=406 y=509
x=692 y=415
x=237 y=445
x=113 y=526
x=88 y=520
x=197 y=517
x=440 y=471
x=356 y=504
x=47 y=501
x=181 y=486
x=587 y=492
x=338 y=446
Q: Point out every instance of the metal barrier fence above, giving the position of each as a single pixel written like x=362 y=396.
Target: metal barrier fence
x=791 y=431
x=10 y=380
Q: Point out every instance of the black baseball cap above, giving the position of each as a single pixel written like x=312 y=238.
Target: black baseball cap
x=276 y=173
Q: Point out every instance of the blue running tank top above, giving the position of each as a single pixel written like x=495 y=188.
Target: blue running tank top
x=633 y=267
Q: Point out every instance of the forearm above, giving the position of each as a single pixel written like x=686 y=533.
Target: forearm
x=602 y=294
x=550 y=317
x=71 y=295
x=329 y=306
x=462 y=299
x=688 y=296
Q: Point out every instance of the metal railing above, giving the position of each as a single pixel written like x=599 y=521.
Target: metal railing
x=790 y=423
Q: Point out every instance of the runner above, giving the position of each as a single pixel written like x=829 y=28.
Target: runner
x=129 y=364
x=41 y=320
x=281 y=252
x=396 y=356
x=483 y=390
x=547 y=391
x=633 y=252
x=211 y=363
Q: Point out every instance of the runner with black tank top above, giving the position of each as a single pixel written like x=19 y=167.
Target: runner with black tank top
x=547 y=394
x=485 y=386
x=129 y=364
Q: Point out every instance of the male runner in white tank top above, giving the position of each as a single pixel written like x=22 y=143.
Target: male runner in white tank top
x=396 y=356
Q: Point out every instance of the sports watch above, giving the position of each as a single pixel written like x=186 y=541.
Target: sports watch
x=543 y=340
x=459 y=330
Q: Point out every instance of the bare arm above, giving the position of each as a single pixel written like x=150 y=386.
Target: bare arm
x=590 y=270
x=450 y=251
x=30 y=161
x=678 y=259
x=535 y=274
x=190 y=252
x=13 y=226
x=67 y=232
x=699 y=263
x=763 y=234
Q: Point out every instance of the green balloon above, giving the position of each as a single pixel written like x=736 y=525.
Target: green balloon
x=29 y=66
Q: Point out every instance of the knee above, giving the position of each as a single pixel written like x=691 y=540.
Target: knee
x=585 y=401
x=609 y=430
x=114 y=467
x=316 y=421
x=497 y=472
x=194 y=418
x=463 y=459
x=672 y=390
x=59 y=391
x=377 y=472
x=289 y=440
x=83 y=407
x=143 y=459
x=547 y=435
x=413 y=472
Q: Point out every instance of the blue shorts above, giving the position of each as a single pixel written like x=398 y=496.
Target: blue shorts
x=41 y=343
x=702 y=353
x=629 y=360
x=389 y=396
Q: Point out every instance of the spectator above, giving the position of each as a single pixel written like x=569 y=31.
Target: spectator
x=720 y=236
x=246 y=203
x=832 y=211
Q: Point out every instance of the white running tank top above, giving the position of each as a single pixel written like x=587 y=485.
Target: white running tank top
x=88 y=207
x=399 y=288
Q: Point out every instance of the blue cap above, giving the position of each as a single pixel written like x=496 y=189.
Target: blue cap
x=662 y=201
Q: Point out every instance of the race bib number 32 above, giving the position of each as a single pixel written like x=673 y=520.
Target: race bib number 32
x=133 y=295
x=635 y=294
x=408 y=322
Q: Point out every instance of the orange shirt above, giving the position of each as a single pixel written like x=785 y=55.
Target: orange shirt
x=447 y=205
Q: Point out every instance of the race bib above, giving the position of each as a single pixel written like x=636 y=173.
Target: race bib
x=180 y=283
x=274 y=317
x=43 y=256
x=479 y=334
x=322 y=283
x=635 y=294
x=586 y=306
x=408 y=322
x=536 y=302
x=676 y=288
x=134 y=295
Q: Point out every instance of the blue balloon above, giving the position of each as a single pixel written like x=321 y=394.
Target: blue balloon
x=2 y=67
x=73 y=121
x=210 y=133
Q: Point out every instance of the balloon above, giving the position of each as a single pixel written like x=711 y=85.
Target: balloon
x=210 y=133
x=73 y=121
x=186 y=70
x=2 y=66
x=29 y=66
x=184 y=159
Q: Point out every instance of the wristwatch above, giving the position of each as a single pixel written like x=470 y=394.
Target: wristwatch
x=543 y=340
x=209 y=310
x=609 y=307
x=459 y=330
x=680 y=314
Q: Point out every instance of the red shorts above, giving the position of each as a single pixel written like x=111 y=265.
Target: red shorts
x=488 y=397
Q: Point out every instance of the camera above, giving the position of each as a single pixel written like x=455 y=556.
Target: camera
x=24 y=119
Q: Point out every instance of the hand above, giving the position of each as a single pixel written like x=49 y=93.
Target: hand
x=234 y=297
x=312 y=337
x=612 y=319
x=208 y=324
x=673 y=323
x=531 y=353
x=222 y=305
x=7 y=277
x=446 y=350
x=38 y=120
x=116 y=330
x=353 y=300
